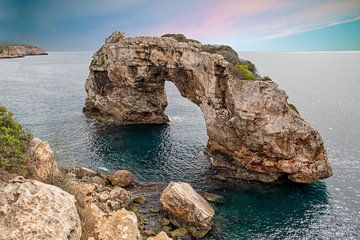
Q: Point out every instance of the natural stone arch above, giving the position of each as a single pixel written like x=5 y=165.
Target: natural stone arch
x=253 y=134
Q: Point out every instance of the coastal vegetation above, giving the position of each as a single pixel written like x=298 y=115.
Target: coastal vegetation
x=293 y=107
x=14 y=142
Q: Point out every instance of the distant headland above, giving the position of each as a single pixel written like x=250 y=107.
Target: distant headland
x=19 y=50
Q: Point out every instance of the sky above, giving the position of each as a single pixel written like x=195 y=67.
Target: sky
x=246 y=25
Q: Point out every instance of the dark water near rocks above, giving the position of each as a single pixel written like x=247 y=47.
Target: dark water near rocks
x=47 y=94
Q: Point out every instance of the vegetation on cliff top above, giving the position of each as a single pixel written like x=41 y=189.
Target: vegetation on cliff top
x=14 y=142
x=241 y=68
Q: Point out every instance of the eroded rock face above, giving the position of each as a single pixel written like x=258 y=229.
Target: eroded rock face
x=43 y=163
x=31 y=210
x=187 y=208
x=253 y=134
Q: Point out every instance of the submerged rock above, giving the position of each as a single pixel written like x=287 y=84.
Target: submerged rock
x=30 y=209
x=212 y=197
x=122 y=178
x=251 y=128
x=187 y=208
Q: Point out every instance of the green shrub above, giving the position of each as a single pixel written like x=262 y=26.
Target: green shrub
x=14 y=141
x=293 y=107
x=180 y=37
x=266 y=78
x=242 y=72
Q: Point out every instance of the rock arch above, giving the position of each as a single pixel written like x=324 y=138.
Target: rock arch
x=253 y=134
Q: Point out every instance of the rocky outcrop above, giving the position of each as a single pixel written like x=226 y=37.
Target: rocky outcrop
x=119 y=225
x=16 y=51
x=31 y=210
x=187 y=208
x=253 y=133
x=43 y=164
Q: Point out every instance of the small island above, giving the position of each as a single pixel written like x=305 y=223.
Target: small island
x=19 y=50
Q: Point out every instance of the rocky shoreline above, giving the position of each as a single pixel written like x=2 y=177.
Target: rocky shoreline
x=19 y=51
x=83 y=204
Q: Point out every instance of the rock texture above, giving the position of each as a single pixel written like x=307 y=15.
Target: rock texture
x=253 y=133
x=33 y=210
x=119 y=225
x=122 y=178
x=16 y=51
x=43 y=163
x=187 y=208
x=160 y=236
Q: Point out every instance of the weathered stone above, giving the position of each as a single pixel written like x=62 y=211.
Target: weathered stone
x=118 y=225
x=249 y=123
x=30 y=209
x=104 y=196
x=83 y=192
x=43 y=163
x=187 y=208
x=160 y=236
x=164 y=221
x=179 y=233
x=122 y=178
x=121 y=196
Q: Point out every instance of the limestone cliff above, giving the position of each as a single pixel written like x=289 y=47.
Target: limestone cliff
x=253 y=134
x=16 y=51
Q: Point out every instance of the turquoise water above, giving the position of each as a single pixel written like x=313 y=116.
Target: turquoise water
x=47 y=94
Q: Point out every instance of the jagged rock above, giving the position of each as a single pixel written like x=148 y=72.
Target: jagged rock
x=122 y=178
x=160 y=236
x=187 y=208
x=15 y=51
x=43 y=163
x=253 y=133
x=30 y=209
x=119 y=225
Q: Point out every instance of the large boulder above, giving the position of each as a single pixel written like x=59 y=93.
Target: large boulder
x=30 y=210
x=118 y=225
x=43 y=163
x=253 y=133
x=187 y=208
x=122 y=178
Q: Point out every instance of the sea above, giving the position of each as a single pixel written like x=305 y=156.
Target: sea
x=46 y=94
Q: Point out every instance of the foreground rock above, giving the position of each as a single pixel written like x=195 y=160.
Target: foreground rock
x=253 y=133
x=187 y=208
x=31 y=210
x=119 y=225
x=16 y=51
x=43 y=163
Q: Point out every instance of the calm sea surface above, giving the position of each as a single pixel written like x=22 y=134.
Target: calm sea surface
x=46 y=93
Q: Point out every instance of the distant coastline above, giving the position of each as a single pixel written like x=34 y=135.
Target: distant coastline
x=19 y=51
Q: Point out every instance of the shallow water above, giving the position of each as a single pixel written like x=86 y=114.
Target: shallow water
x=47 y=94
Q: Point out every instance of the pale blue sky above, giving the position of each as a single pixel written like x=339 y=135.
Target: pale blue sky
x=256 y=25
